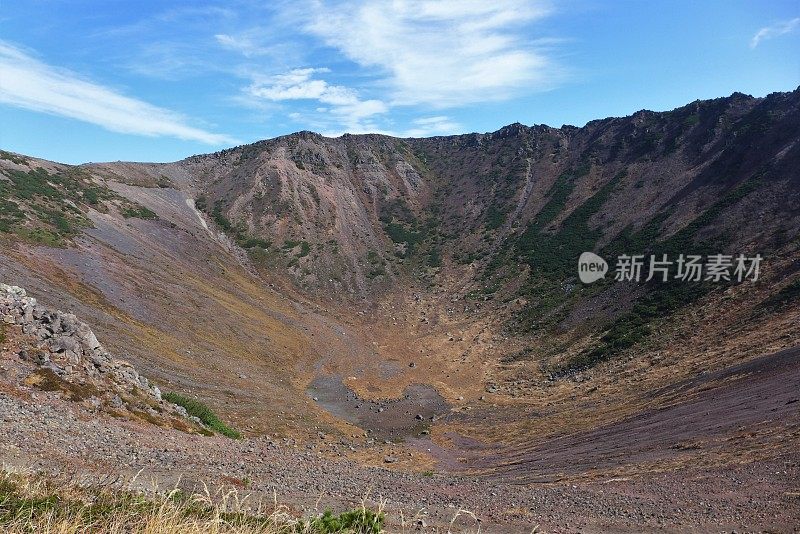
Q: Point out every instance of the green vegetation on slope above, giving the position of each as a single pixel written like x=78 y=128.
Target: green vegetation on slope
x=552 y=256
x=139 y=212
x=50 y=207
x=558 y=195
x=237 y=231
x=204 y=413
x=661 y=299
x=555 y=255
x=13 y=158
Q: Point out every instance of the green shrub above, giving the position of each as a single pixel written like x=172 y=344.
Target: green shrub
x=434 y=258
x=249 y=242
x=376 y=271
x=92 y=196
x=204 y=413
x=138 y=212
x=495 y=218
x=362 y=521
x=399 y=233
x=201 y=203
x=236 y=231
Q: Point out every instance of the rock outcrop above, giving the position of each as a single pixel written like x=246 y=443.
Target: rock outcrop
x=53 y=351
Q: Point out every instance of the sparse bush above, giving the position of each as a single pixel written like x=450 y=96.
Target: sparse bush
x=13 y=158
x=138 y=212
x=204 y=413
x=495 y=218
x=376 y=271
x=249 y=242
x=201 y=203
x=363 y=521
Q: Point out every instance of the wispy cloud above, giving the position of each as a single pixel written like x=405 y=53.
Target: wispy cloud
x=342 y=104
x=28 y=83
x=243 y=44
x=436 y=54
x=438 y=125
x=442 y=53
x=775 y=30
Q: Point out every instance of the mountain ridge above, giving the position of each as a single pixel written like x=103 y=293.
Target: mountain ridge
x=500 y=216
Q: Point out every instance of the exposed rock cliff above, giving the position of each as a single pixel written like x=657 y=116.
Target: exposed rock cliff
x=53 y=351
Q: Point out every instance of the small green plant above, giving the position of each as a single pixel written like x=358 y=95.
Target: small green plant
x=359 y=521
x=204 y=413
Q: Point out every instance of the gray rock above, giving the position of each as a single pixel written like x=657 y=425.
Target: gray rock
x=64 y=344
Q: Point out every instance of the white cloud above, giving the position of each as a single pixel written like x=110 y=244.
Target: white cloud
x=777 y=29
x=441 y=53
x=425 y=126
x=27 y=83
x=343 y=103
x=245 y=45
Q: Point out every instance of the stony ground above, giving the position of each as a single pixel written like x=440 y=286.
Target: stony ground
x=42 y=432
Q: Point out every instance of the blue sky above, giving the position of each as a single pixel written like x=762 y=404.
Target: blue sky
x=108 y=80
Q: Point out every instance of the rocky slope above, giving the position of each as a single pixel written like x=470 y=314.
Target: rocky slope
x=51 y=351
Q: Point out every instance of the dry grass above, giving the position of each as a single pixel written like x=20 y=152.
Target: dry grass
x=58 y=505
